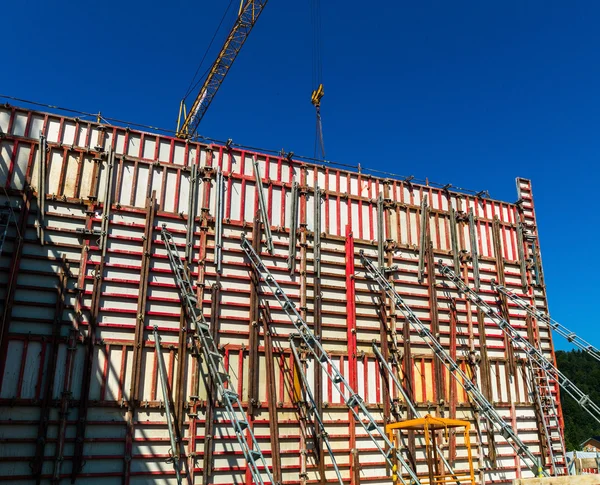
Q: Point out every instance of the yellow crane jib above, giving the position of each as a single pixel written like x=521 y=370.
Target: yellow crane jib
x=249 y=12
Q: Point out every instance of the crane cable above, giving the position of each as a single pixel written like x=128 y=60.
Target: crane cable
x=193 y=86
x=317 y=76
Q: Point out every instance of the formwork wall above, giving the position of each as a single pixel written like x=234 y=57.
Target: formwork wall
x=80 y=395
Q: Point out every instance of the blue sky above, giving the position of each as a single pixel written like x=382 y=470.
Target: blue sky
x=469 y=93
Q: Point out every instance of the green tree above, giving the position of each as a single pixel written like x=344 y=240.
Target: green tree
x=584 y=371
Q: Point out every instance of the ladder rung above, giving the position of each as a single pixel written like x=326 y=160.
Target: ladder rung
x=202 y=325
x=243 y=424
x=372 y=426
x=229 y=395
x=224 y=377
x=256 y=455
x=215 y=355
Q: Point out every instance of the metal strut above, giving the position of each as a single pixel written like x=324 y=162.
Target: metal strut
x=409 y=403
x=544 y=317
x=353 y=400
x=485 y=408
x=220 y=205
x=165 y=392
x=524 y=345
x=214 y=361
x=262 y=205
x=312 y=408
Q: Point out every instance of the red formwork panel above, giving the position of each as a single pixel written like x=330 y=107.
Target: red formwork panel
x=79 y=389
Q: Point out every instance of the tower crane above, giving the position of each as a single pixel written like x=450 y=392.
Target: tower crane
x=248 y=14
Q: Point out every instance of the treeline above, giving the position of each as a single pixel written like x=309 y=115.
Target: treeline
x=584 y=371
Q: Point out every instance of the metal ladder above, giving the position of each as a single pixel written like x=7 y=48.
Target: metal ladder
x=312 y=408
x=485 y=408
x=541 y=390
x=409 y=402
x=544 y=317
x=165 y=392
x=352 y=399
x=4 y=222
x=524 y=345
x=214 y=361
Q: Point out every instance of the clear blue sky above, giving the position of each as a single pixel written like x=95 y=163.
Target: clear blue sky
x=469 y=93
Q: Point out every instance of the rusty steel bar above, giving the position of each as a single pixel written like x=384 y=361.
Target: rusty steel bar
x=271 y=394
x=253 y=327
x=41 y=192
x=474 y=249
x=423 y=233
x=454 y=238
x=138 y=339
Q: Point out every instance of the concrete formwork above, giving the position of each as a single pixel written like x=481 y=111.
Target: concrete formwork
x=82 y=285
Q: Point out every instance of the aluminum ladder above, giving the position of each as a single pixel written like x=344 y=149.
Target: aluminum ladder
x=524 y=345
x=352 y=399
x=485 y=408
x=544 y=317
x=541 y=390
x=214 y=362
x=312 y=408
x=4 y=222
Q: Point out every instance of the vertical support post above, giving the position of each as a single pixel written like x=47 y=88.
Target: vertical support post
x=138 y=339
x=454 y=238
x=424 y=230
x=291 y=262
x=219 y=213
x=191 y=220
x=215 y=299
x=41 y=195
x=317 y=234
x=474 y=249
x=271 y=395
x=352 y=349
x=380 y=232
x=164 y=384
x=317 y=321
x=253 y=329
x=211 y=398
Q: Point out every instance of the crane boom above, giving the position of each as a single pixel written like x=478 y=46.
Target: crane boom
x=250 y=10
